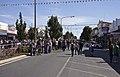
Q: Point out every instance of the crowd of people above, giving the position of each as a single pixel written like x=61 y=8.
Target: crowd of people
x=46 y=46
x=75 y=46
x=7 y=43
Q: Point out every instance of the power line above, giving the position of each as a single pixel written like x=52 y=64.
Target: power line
x=50 y=3
x=79 y=25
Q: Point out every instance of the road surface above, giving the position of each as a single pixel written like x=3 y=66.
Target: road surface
x=59 y=64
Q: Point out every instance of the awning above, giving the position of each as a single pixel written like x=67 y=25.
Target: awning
x=3 y=33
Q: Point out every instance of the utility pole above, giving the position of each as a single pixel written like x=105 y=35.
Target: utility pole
x=35 y=20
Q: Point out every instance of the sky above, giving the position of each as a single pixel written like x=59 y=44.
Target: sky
x=85 y=13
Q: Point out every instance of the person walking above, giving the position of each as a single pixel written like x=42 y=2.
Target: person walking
x=63 y=45
x=72 y=48
x=116 y=52
x=81 y=46
x=38 y=46
x=76 y=48
x=91 y=50
x=111 y=51
x=68 y=44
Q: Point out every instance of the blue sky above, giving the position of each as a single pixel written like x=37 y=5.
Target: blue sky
x=85 y=13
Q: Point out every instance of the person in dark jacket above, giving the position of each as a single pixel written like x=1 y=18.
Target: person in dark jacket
x=72 y=48
x=81 y=46
x=63 y=45
x=111 y=51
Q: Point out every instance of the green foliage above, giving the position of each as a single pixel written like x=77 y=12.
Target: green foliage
x=31 y=34
x=69 y=35
x=55 y=30
x=86 y=34
x=23 y=49
x=20 y=26
x=46 y=33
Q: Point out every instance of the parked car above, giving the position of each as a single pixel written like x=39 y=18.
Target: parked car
x=97 y=45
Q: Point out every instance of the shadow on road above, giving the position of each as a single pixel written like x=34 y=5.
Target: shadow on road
x=105 y=56
x=65 y=55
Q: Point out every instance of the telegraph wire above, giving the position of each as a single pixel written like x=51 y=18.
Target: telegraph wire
x=52 y=3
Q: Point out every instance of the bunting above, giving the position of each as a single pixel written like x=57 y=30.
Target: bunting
x=51 y=3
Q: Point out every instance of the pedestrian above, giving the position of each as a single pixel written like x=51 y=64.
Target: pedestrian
x=30 y=48
x=38 y=46
x=63 y=45
x=91 y=50
x=111 y=51
x=81 y=46
x=68 y=44
x=116 y=51
x=50 y=46
x=72 y=48
x=42 y=42
x=59 y=44
x=76 y=48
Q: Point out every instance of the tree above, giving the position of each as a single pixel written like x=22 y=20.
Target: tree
x=69 y=35
x=21 y=26
x=55 y=30
x=31 y=33
x=46 y=32
x=86 y=34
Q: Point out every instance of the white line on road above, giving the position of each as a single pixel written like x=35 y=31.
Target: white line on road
x=86 y=72
x=58 y=75
x=14 y=61
x=92 y=65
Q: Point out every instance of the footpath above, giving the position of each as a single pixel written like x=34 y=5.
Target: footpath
x=85 y=65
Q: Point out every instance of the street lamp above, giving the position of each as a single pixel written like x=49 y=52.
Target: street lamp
x=61 y=18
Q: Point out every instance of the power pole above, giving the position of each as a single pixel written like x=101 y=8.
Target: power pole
x=35 y=20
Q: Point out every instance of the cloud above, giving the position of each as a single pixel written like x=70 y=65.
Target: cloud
x=55 y=11
x=40 y=20
x=78 y=20
x=6 y=16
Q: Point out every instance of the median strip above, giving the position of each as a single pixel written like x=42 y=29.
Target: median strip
x=11 y=60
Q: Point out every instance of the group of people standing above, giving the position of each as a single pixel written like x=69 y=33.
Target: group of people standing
x=76 y=47
x=46 y=46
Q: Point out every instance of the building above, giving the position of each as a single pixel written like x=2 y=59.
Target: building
x=115 y=30
x=11 y=32
x=95 y=33
x=104 y=32
x=7 y=31
x=103 y=28
x=3 y=29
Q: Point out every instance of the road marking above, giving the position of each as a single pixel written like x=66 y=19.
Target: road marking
x=95 y=61
x=92 y=59
x=86 y=72
x=58 y=75
x=91 y=65
x=13 y=61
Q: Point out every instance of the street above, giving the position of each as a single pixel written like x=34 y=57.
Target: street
x=61 y=64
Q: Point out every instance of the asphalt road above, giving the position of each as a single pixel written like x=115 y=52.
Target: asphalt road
x=59 y=64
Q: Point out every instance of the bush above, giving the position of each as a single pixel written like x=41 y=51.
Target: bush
x=23 y=49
